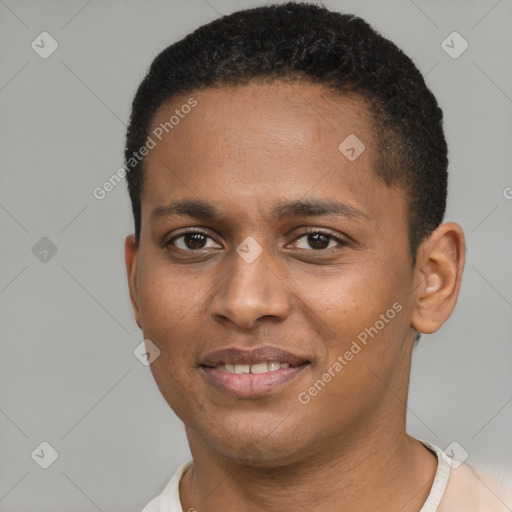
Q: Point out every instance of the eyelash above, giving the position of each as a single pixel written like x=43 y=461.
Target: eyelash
x=342 y=243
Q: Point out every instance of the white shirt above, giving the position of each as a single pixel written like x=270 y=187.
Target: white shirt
x=456 y=487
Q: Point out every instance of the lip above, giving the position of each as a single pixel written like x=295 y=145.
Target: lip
x=249 y=385
x=234 y=355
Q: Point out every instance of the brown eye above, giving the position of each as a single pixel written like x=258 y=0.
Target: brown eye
x=190 y=241
x=194 y=240
x=318 y=240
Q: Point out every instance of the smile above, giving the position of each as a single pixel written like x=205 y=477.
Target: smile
x=250 y=381
x=263 y=367
x=250 y=373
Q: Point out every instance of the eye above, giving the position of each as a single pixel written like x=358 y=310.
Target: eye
x=191 y=241
x=319 y=240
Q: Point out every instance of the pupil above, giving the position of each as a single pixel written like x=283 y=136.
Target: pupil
x=194 y=240
x=318 y=241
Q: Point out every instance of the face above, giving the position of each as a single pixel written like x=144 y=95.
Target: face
x=264 y=244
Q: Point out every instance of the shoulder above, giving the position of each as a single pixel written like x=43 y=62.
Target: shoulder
x=462 y=486
x=169 y=499
x=475 y=489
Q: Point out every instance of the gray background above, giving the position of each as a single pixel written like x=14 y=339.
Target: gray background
x=68 y=375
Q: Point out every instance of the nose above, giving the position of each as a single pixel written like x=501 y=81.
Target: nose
x=251 y=292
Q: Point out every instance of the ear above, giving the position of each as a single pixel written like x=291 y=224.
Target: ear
x=438 y=276
x=131 y=257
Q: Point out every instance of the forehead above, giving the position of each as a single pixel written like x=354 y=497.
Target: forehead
x=257 y=143
x=234 y=120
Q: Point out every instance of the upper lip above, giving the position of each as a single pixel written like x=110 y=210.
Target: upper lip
x=257 y=355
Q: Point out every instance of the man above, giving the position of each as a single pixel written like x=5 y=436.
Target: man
x=287 y=169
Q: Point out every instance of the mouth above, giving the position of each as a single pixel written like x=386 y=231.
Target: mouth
x=254 y=368
x=250 y=373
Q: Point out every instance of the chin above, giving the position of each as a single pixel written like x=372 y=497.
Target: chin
x=257 y=448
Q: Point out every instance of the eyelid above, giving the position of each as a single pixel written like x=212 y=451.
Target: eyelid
x=342 y=240
x=167 y=241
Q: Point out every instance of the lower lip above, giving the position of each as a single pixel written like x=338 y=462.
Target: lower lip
x=249 y=385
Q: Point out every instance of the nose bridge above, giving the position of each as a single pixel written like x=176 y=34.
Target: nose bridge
x=251 y=288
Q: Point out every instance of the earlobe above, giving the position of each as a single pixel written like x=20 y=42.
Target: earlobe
x=131 y=261
x=439 y=268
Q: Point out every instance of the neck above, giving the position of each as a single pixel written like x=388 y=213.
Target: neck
x=356 y=473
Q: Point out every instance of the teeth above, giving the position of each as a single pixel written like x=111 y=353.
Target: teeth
x=274 y=365
x=263 y=367
x=242 y=368
x=259 y=368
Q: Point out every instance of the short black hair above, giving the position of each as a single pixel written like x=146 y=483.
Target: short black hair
x=308 y=43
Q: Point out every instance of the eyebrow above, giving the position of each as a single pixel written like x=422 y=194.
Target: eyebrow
x=198 y=209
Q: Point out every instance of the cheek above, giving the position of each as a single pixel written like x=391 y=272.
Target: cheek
x=350 y=298
x=169 y=304
x=165 y=292
x=359 y=314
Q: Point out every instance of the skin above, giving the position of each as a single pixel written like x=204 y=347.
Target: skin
x=245 y=149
